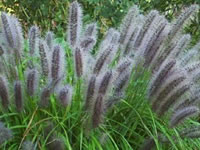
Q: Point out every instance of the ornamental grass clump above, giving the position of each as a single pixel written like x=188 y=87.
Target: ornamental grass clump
x=80 y=82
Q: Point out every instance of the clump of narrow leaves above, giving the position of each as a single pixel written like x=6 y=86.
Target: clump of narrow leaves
x=102 y=78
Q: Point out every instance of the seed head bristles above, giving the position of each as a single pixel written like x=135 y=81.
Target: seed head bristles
x=78 y=58
x=32 y=81
x=90 y=30
x=121 y=83
x=4 y=95
x=123 y=66
x=154 y=49
x=127 y=27
x=188 y=56
x=18 y=95
x=97 y=115
x=180 y=115
x=28 y=145
x=90 y=94
x=130 y=45
x=167 y=89
x=149 y=19
x=190 y=68
x=181 y=45
x=75 y=24
x=105 y=56
x=6 y=133
x=160 y=76
x=57 y=62
x=178 y=24
x=156 y=27
x=7 y=30
x=191 y=132
x=18 y=36
x=172 y=98
x=107 y=39
x=65 y=95
x=33 y=36
x=45 y=97
x=87 y=44
x=49 y=39
x=44 y=57
x=105 y=82
x=169 y=52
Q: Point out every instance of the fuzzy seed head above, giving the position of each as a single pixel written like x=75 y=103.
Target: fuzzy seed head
x=75 y=24
x=65 y=96
x=33 y=37
x=31 y=81
x=105 y=82
x=18 y=95
x=4 y=92
x=97 y=115
x=78 y=62
x=45 y=97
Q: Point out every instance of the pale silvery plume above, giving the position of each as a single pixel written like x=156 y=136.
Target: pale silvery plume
x=65 y=95
x=181 y=114
x=32 y=80
x=49 y=39
x=57 y=62
x=33 y=39
x=74 y=24
x=18 y=95
x=44 y=58
x=4 y=93
x=107 y=51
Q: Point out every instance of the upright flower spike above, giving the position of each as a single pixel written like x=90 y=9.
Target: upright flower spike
x=87 y=44
x=75 y=24
x=97 y=115
x=45 y=97
x=91 y=88
x=157 y=26
x=57 y=63
x=166 y=90
x=4 y=95
x=152 y=52
x=65 y=95
x=149 y=19
x=32 y=81
x=5 y=133
x=105 y=82
x=78 y=58
x=127 y=27
x=108 y=49
x=44 y=58
x=173 y=98
x=90 y=30
x=159 y=77
x=182 y=114
x=180 y=21
x=33 y=36
x=7 y=30
x=18 y=36
x=18 y=95
x=49 y=39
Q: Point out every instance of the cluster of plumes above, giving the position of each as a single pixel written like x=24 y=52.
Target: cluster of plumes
x=52 y=66
x=105 y=83
x=148 y=40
